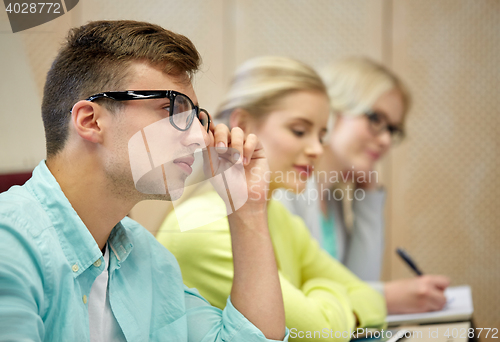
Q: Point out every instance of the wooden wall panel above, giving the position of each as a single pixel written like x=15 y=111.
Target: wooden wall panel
x=22 y=143
x=445 y=188
x=315 y=32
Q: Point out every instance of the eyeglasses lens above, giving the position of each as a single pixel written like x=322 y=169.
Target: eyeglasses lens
x=378 y=124
x=183 y=111
x=204 y=118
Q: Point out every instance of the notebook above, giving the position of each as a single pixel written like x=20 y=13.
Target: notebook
x=458 y=308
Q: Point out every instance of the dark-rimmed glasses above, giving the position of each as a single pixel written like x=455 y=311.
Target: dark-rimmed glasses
x=182 y=109
x=379 y=123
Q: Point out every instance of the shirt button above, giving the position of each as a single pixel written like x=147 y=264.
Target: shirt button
x=75 y=268
x=97 y=263
x=84 y=299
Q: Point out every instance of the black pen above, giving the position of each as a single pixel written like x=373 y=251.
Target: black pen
x=409 y=261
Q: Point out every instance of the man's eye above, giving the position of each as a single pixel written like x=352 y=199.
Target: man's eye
x=167 y=108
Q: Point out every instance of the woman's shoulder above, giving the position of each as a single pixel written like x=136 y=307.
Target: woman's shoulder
x=204 y=211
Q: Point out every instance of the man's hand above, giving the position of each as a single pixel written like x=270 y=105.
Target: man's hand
x=420 y=294
x=249 y=153
x=256 y=290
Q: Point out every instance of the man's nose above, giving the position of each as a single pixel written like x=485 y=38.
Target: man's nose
x=196 y=136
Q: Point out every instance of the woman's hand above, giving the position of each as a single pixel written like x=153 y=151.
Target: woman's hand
x=420 y=294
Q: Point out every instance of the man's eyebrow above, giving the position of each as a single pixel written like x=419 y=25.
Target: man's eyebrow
x=161 y=101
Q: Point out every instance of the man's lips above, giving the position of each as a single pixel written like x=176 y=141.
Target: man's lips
x=304 y=169
x=185 y=164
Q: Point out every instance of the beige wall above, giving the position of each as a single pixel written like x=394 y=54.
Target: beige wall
x=445 y=190
x=443 y=193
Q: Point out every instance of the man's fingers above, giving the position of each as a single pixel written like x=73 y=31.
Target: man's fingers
x=237 y=141
x=251 y=143
x=221 y=138
x=244 y=148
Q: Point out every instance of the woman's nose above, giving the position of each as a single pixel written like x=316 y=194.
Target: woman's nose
x=385 y=139
x=314 y=148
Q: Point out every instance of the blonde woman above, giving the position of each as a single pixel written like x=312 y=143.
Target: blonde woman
x=285 y=104
x=370 y=106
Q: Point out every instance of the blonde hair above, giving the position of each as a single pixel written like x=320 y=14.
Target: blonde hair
x=261 y=82
x=354 y=85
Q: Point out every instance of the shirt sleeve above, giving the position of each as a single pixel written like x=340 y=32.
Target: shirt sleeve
x=330 y=292
x=208 y=323
x=326 y=296
x=21 y=288
x=366 y=245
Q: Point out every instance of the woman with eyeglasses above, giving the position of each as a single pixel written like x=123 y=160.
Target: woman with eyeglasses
x=370 y=106
x=285 y=104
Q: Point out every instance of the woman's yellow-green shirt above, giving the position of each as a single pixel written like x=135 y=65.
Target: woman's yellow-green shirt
x=319 y=293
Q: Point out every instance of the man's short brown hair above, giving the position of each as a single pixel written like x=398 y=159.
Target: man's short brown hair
x=95 y=58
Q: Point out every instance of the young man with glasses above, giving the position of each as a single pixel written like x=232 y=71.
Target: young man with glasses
x=72 y=266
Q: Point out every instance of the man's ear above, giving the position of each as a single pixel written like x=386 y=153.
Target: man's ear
x=242 y=119
x=85 y=117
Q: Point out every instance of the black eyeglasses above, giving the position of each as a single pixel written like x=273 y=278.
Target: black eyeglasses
x=182 y=109
x=379 y=123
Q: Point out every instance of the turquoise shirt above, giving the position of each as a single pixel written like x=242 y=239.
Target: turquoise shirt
x=48 y=264
x=329 y=241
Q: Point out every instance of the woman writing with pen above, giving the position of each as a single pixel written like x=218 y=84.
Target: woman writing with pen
x=370 y=105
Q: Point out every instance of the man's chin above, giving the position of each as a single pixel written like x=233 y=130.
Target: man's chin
x=176 y=194
x=171 y=196
x=154 y=186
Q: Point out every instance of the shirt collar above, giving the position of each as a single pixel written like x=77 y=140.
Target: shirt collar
x=78 y=245
x=120 y=243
